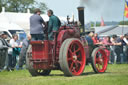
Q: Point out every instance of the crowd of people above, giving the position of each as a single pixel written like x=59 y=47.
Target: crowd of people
x=12 y=52
x=117 y=45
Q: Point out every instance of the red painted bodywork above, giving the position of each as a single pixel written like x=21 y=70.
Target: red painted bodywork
x=41 y=54
x=46 y=55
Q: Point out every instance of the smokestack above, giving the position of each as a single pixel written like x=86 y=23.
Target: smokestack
x=81 y=17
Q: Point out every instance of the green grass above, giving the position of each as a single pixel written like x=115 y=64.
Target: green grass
x=115 y=75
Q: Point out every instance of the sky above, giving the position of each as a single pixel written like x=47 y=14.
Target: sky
x=110 y=10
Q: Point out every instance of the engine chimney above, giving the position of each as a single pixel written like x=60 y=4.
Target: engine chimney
x=81 y=17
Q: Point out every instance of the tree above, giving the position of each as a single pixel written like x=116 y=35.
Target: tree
x=2 y=4
x=40 y=5
x=22 y=5
x=123 y=23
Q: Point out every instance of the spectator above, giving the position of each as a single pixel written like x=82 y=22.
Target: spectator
x=90 y=42
x=125 y=47
x=9 y=57
x=89 y=38
x=3 y=50
x=23 y=51
x=106 y=41
x=95 y=39
x=112 y=49
x=119 y=49
x=14 y=51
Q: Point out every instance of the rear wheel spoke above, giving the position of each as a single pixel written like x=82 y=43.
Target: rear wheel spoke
x=71 y=67
x=74 y=70
x=70 y=51
x=73 y=48
x=79 y=62
x=76 y=64
x=70 y=59
x=77 y=50
x=78 y=56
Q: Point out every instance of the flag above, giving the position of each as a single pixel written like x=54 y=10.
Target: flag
x=126 y=9
x=102 y=22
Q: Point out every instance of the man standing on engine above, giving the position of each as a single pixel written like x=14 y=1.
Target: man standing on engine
x=53 y=24
x=36 y=27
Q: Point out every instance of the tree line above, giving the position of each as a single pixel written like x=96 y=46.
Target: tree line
x=123 y=23
x=22 y=5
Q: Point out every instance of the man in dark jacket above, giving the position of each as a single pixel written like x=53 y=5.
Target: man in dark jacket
x=53 y=24
x=119 y=49
x=3 y=50
x=125 y=47
x=36 y=27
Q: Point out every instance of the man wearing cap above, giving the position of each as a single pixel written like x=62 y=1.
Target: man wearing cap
x=53 y=24
x=3 y=50
x=36 y=27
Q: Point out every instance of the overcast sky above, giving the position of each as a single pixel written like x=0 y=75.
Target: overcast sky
x=110 y=10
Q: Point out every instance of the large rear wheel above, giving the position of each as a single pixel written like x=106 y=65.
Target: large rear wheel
x=99 y=60
x=72 y=57
x=29 y=65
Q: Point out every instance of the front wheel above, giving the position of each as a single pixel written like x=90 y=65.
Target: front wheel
x=99 y=60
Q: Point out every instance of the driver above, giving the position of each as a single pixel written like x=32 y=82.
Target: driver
x=53 y=24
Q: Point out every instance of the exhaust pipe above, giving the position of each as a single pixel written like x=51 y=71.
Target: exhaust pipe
x=81 y=17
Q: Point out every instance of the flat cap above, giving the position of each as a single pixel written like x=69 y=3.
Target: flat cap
x=1 y=33
x=37 y=10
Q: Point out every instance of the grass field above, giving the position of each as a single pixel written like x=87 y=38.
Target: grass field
x=115 y=75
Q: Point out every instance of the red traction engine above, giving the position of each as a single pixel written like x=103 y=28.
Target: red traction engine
x=68 y=52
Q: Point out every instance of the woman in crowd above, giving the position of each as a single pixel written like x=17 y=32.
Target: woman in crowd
x=107 y=41
x=96 y=39
x=13 y=52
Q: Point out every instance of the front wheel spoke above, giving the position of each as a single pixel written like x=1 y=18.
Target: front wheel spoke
x=100 y=61
x=98 y=66
x=97 y=60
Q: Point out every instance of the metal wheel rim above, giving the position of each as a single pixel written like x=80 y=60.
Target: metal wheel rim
x=100 y=60
x=76 y=57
